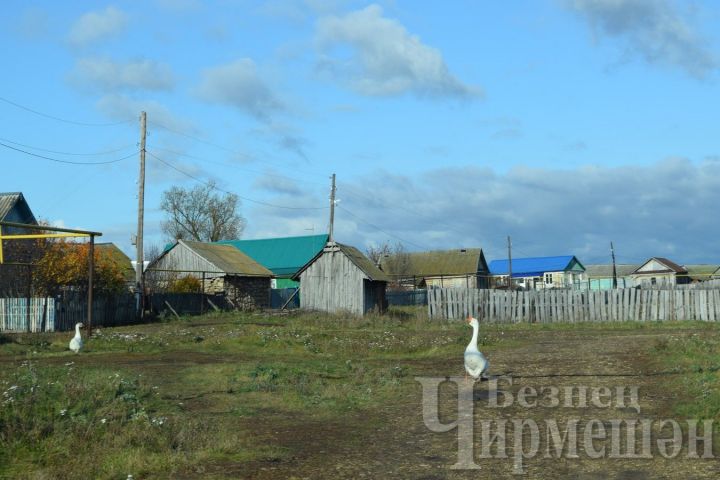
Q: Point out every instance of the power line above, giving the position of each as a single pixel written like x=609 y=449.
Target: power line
x=225 y=164
x=189 y=175
x=106 y=152
x=59 y=119
x=198 y=139
x=216 y=145
x=68 y=161
x=380 y=229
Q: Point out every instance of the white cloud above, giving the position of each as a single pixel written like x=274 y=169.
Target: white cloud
x=122 y=107
x=94 y=26
x=667 y=208
x=652 y=29
x=278 y=184
x=386 y=59
x=240 y=85
x=106 y=75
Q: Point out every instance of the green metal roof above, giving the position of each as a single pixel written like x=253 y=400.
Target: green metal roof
x=283 y=256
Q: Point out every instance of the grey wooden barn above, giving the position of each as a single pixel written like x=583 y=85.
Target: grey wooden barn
x=341 y=279
x=222 y=269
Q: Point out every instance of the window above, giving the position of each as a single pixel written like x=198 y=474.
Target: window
x=548 y=279
x=653 y=281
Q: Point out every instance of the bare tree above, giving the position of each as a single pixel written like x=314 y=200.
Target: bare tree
x=377 y=253
x=394 y=259
x=201 y=214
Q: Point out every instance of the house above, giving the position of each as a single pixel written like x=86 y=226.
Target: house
x=341 y=279
x=465 y=267
x=284 y=257
x=540 y=272
x=660 y=272
x=702 y=272
x=113 y=253
x=600 y=277
x=14 y=277
x=221 y=269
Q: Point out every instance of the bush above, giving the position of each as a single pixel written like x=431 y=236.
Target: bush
x=186 y=284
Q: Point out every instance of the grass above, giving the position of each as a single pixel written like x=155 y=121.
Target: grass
x=698 y=357
x=173 y=398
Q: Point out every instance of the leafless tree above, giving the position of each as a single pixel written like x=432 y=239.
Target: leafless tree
x=201 y=214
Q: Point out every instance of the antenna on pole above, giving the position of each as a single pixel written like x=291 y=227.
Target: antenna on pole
x=612 y=251
x=139 y=284
x=331 y=239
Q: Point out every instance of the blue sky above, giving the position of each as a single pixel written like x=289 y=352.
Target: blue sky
x=565 y=124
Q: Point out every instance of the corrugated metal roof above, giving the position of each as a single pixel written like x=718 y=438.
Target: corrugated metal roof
x=440 y=262
x=533 y=266
x=228 y=259
x=283 y=256
x=605 y=271
x=7 y=202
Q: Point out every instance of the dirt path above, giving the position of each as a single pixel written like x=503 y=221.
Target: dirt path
x=394 y=443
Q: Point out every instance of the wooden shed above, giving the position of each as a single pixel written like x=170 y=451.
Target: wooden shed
x=222 y=269
x=341 y=279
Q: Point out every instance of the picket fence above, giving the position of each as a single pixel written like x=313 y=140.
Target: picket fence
x=58 y=315
x=551 y=306
x=19 y=315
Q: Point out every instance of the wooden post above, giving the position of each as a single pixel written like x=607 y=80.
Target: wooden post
x=509 y=263
x=91 y=270
x=202 y=294
x=140 y=257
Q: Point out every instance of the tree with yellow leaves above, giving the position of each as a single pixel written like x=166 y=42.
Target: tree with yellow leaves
x=64 y=267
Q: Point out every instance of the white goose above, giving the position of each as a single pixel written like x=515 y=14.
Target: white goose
x=475 y=362
x=76 y=343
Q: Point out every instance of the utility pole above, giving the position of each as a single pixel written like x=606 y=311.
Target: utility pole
x=332 y=210
x=509 y=264
x=139 y=283
x=612 y=251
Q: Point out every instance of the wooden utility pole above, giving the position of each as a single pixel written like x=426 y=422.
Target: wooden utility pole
x=612 y=251
x=332 y=210
x=91 y=274
x=509 y=263
x=139 y=283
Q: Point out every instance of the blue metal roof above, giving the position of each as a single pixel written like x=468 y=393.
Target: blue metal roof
x=533 y=266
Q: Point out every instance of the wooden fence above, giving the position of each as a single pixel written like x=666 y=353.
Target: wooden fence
x=549 y=306
x=16 y=316
x=57 y=315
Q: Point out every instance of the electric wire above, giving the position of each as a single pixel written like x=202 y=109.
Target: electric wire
x=259 y=202
x=235 y=167
x=59 y=119
x=380 y=229
x=70 y=162
x=106 y=152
